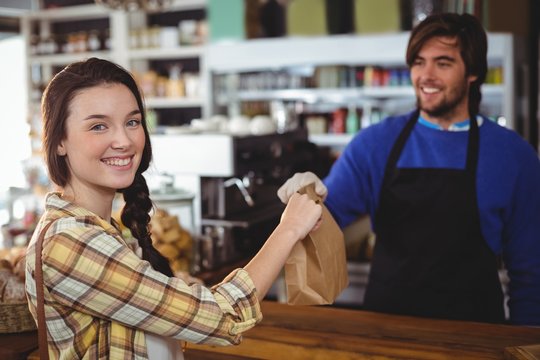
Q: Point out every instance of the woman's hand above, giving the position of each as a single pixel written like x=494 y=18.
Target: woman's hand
x=302 y=215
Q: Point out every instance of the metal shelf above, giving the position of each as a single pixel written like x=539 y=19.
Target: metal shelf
x=70 y=13
x=64 y=59
x=166 y=53
x=91 y=11
x=338 y=95
x=164 y=103
x=331 y=139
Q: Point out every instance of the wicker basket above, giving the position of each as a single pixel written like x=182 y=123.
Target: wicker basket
x=16 y=318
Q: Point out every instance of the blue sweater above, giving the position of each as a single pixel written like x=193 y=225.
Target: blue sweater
x=508 y=191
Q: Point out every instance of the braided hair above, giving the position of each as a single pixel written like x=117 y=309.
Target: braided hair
x=57 y=97
x=135 y=215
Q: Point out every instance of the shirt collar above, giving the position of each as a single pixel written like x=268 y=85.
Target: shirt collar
x=55 y=203
x=459 y=126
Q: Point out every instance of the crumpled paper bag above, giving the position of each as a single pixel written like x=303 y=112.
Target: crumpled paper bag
x=316 y=270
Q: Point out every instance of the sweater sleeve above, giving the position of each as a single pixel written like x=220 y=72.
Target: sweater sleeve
x=521 y=241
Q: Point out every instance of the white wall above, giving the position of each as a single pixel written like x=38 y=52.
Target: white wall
x=14 y=140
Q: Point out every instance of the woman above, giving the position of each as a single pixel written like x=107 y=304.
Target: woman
x=101 y=299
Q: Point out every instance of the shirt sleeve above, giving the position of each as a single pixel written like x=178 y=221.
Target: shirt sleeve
x=521 y=242
x=93 y=272
x=348 y=185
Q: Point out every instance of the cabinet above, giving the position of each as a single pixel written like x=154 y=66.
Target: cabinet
x=148 y=44
x=293 y=73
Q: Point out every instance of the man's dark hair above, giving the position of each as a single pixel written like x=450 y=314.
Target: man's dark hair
x=470 y=38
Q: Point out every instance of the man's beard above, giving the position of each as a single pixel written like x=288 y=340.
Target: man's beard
x=447 y=106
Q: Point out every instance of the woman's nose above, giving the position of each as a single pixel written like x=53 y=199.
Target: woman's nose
x=121 y=139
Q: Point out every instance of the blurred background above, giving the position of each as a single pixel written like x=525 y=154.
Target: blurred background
x=240 y=94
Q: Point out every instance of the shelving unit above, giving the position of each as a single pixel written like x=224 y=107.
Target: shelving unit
x=42 y=67
x=240 y=57
x=379 y=50
x=261 y=55
x=170 y=53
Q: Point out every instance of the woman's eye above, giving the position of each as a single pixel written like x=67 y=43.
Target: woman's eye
x=98 y=127
x=133 y=122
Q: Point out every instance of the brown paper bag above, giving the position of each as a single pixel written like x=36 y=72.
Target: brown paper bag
x=316 y=270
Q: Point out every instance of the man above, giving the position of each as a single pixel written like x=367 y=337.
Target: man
x=448 y=191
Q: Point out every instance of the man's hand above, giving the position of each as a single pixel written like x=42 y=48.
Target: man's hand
x=298 y=181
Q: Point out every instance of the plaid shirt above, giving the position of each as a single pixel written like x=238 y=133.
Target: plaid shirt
x=101 y=298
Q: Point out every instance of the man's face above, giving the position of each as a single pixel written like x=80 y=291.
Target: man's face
x=439 y=78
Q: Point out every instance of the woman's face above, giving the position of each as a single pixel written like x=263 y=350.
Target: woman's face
x=104 y=139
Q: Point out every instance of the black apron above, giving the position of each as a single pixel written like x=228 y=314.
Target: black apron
x=430 y=258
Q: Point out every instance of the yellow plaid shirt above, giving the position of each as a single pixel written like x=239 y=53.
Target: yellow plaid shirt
x=101 y=298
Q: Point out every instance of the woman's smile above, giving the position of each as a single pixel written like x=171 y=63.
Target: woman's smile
x=123 y=163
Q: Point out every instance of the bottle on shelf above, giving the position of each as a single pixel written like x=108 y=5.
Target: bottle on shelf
x=366 y=116
x=93 y=41
x=352 y=120
x=338 y=121
x=175 y=84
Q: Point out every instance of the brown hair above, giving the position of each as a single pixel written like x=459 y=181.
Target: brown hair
x=471 y=40
x=55 y=110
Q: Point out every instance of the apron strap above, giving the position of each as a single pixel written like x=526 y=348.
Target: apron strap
x=472 y=148
x=398 y=146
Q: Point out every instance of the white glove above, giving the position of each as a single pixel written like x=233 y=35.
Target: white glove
x=298 y=181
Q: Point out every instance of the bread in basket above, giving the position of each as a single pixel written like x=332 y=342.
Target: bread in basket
x=14 y=314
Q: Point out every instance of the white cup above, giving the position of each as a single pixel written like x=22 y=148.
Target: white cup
x=262 y=125
x=168 y=37
x=239 y=125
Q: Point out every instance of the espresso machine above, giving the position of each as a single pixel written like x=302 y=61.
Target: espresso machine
x=240 y=210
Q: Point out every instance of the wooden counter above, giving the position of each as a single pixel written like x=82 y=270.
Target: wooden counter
x=300 y=332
